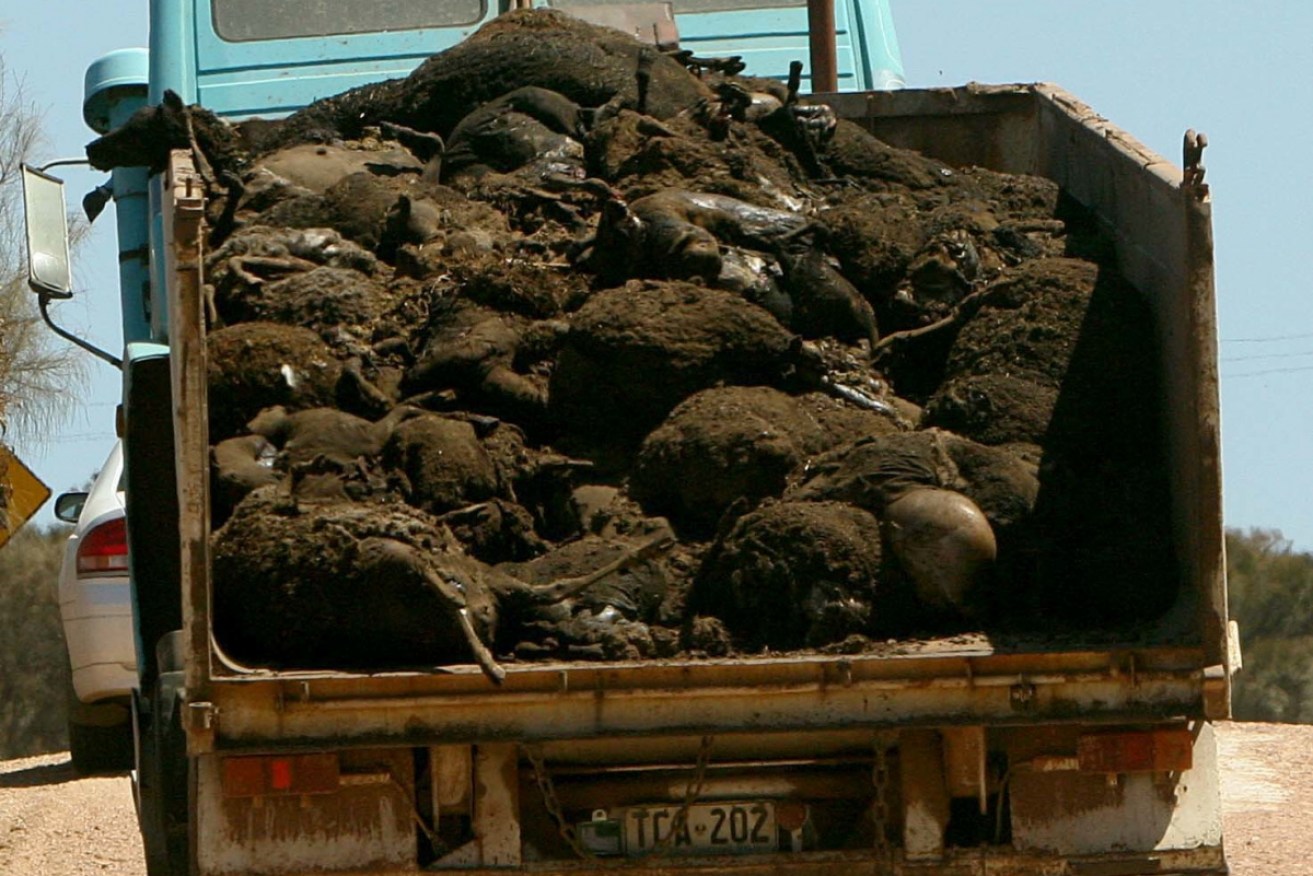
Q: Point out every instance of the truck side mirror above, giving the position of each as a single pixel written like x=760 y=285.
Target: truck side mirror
x=49 y=267
x=49 y=270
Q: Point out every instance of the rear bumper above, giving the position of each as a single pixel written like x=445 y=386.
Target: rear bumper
x=101 y=651
x=967 y=863
x=1047 y=819
x=100 y=681
x=1205 y=861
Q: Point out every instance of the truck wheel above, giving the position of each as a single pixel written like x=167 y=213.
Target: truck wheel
x=99 y=737
x=163 y=778
x=95 y=750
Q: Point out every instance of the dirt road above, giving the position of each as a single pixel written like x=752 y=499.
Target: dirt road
x=54 y=824
x=1267 y=798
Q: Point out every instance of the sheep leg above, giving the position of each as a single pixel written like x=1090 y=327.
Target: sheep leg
x=568 y=587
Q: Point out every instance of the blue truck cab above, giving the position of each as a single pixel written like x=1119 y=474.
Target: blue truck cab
x=248 y=58
x=243 y=58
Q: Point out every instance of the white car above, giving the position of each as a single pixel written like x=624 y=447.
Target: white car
x=96 y=607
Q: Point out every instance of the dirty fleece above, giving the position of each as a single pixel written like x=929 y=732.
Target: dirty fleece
x=558 y=349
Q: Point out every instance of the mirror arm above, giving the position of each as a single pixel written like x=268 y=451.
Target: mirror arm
x=62 y=162
x=90 y=348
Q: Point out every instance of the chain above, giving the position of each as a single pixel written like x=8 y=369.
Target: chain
x=880 y=808
x=553 y=803
x=692 y=791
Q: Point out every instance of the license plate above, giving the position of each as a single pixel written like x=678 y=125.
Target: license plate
x=716 y=828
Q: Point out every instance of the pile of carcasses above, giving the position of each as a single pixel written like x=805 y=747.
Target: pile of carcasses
x=567 y=348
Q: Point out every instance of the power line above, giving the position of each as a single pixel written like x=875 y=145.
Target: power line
x=1266 y=372
x=1268 y=339
x=80 y=439
x=1266 y=356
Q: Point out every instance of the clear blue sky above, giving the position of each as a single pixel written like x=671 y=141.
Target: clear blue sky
x=1237 y=72
x=48 y=46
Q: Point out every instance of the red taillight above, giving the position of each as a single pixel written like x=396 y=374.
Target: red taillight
x=104 y=550
x=256 y=776
x=1163 y=750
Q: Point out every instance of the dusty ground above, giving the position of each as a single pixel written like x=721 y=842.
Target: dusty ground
x=54 y=824
x=1267 y=794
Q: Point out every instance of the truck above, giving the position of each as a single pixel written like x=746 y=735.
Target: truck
x=949 y=755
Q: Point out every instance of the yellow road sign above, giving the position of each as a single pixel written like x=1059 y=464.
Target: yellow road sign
x=21 y=493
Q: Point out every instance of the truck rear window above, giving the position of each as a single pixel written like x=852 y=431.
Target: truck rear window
x=243 y=20
x=691 y=6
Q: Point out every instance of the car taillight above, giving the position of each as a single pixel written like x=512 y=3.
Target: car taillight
x=104 y=550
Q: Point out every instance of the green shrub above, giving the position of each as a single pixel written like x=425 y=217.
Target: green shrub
x=34 y=670
x=1271 y=596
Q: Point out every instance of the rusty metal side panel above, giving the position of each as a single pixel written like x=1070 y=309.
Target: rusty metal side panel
x=925 y=794
x=183 y=219
x=497 y=804
x=255 y=715
x=983 y=125
x=814 y=693
x=1162 y=228
x=1163 y=232
x=368 y=826
x=1077 y=813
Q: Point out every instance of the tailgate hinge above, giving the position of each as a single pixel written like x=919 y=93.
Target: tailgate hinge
x=202 y=722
